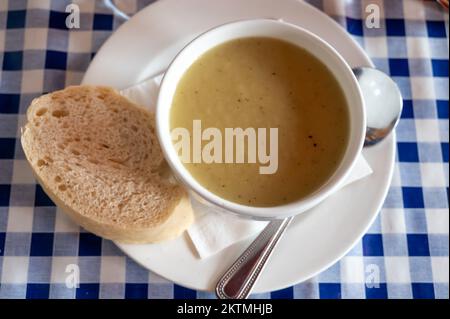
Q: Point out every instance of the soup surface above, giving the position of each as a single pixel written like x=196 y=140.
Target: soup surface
x=265 y=83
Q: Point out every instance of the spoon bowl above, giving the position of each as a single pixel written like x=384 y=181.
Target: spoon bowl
x=383 y=102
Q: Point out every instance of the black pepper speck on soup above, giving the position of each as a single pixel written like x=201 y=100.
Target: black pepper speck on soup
x=266 y=83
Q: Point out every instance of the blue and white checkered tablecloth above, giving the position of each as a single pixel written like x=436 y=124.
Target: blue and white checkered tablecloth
x=407 y=245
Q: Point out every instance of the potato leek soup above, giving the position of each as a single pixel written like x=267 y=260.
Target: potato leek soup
x=267 y=123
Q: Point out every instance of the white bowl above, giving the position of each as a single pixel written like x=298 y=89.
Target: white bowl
x=283 y=31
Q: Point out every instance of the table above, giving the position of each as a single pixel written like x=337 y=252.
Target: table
x=403 y=255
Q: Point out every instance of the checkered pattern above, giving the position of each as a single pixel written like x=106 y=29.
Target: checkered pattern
x=404 y=254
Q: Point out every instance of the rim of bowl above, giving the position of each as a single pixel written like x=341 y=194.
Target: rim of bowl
x=353 y=148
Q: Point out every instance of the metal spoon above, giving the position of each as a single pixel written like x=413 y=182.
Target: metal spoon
x=383 y=103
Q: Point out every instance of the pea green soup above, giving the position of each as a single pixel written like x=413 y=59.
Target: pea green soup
x=263 y=83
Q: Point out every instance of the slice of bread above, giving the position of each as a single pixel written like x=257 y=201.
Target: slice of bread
x=97 y=156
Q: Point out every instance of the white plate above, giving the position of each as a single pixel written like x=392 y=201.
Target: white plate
x=146 y=44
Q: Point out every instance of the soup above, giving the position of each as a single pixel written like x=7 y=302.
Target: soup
x=264 y=83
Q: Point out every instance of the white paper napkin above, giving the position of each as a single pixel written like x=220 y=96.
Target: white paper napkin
x=213 y=230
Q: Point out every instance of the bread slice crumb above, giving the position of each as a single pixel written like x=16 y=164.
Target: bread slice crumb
x=97 y=156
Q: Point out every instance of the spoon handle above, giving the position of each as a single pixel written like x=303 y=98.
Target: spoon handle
x=238 y=280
